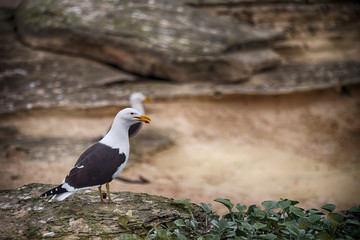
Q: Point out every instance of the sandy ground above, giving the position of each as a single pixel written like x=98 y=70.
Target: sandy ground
x=302 y=146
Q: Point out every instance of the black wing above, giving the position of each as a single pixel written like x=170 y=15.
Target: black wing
x=95 y=166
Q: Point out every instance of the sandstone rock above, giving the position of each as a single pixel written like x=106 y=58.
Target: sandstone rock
x=31 y=78
x=151 y=38
x=43 y=80
x=291 y=78
x=37 y=79
x=82 y=215
x=314 y=31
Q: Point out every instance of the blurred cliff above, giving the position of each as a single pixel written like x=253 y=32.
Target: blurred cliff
x=97 y=52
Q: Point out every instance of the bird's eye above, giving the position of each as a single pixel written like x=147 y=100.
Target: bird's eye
x=132 y=113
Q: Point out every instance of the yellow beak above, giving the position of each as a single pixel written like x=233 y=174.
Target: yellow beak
x=144 y=118
x=147 y=99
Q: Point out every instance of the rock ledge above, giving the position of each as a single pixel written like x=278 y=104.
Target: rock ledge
x=24 y=215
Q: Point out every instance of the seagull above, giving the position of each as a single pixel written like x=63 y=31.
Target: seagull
x=136 y=102
x=103 y=161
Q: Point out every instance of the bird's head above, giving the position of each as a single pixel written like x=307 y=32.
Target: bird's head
x=132 y=116
x=138 y=97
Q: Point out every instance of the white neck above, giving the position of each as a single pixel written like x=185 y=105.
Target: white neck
x=118 y=136
x=137 y=104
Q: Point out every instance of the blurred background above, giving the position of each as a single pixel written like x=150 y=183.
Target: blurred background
x=250 y=100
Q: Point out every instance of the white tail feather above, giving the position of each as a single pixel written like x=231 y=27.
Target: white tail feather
x=61 y=196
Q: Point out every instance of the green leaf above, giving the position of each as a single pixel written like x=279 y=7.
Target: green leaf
x=354 y=222
x=314 y=218
x=336 y=219
x=261 y=214
x=302 y=233
x=274 y=218
x=283 y=204
x=287 y=223
x=180 y=223
x=246 y=225
x=215 y=237
x=270 y=204
x=206 y=207
x=309 y=236
x=170 y=225
x=223 y=224
x=297 y=211
x=225 y=202
x=240 y=207
x=303 y=223
x=269 y=236
x=180 y=236
x=230 y=235
x=328 y=207
x=215 y=223
x=348 y=238
x=129 y=237
x=259 y=225
x=228 y=216
x=315 y=211
x=252 y=210
x=161 y=233
x=293 y=203
x=354 y=209
x=194 y=223
x=293 y=229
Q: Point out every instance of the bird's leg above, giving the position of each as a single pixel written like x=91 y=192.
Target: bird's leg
x=100 y=193
x=108 y=192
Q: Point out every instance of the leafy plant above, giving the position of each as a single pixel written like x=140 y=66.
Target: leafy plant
x=273 y=220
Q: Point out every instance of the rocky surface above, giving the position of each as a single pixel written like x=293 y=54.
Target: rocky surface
x=297 y=77
x=32 y=78
x=313 y=31
x=82 y=215
x=150 y=38
x=43 y=92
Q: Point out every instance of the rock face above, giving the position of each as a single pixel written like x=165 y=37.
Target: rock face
x=82 y=215
x=31 y=78
x=314 y=31
x=150 y=38
x=298 y=77
x=43 y=79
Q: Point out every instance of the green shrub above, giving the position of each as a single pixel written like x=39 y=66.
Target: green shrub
x=274 y=220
